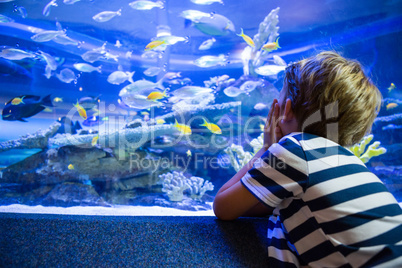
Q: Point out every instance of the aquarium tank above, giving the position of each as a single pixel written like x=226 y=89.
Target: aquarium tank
x=145 y=104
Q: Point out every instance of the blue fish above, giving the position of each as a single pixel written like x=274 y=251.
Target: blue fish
x=30 y=106
x=68 y=126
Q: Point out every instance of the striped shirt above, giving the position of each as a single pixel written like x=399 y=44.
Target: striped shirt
x=330 y=210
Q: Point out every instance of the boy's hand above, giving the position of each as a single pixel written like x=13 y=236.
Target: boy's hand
x=272 y=131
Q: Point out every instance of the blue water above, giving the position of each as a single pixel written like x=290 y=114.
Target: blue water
x=105 y=174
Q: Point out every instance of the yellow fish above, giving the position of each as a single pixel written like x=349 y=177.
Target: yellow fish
x=160 y=121
x=81 y=110
x=391 y=105
x=17 y=101
x=247 y=38
x=154 y=44
x=95 y=140
x=271 y=46
x=57 y=99
x=70 y=167
x=212 y=127
x=156 y=95
x=186 y=130
x=391 y=87
x=188 y=153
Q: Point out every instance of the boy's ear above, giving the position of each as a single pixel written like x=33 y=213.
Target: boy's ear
x=288 y=114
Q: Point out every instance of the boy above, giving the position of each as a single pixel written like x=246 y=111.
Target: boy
x=328 y=209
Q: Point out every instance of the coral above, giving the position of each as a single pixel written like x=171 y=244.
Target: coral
x=38 y=140
x=238 y=157
x=257 y=143
x=174 y=184
x=198 y=186
x=267 y=32
x=360 y=151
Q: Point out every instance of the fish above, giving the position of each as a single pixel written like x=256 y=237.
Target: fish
x=211 y=61
x=188 y=153
x=260 y=106
x=391 y=87
x=95 y=140
x=172 y=39
x=156 y=95
x=212 y=127
x=106 y=15
x=271 y=46
x=57 y=99
x=81 y=111
x=70 y=167
x=118 y=44
x=46 y=36
x=206 y=2
x=154 y=44
x=51 y=63
x=15 y=53
x=160 y=121
x=66 y=76
x=152 y=71
x=70 y=2
x=184 y=129
x=31 y=106
x=233 y=91
x=279 y=61
x=190 y=92
x=249 y=86
x=10 y=68
x=87 y=68
x=5 y=19
x=207 y=44
x=146 y=5
x=92 y=55
x=391 y=105
x=89 y=102
x=119 y=77
x=268 y=70
x=246 y=38
x=135 y=94
x=65 y=40
x=21 y=10
x=17 y=100
x=46 y=9
x=172 y=75
x=210 y=24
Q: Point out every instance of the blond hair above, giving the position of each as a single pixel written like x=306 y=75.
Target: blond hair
x=327 y=89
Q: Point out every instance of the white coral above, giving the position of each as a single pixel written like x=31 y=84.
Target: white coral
x=198 y=186
x=174 y=185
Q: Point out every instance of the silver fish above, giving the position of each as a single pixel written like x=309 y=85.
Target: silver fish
x=46 y=10
x=172 y=39
x=233 y=91
x=211 y=61
x=190 y=92
x=118 y=77
x=66 y=75
x=46 y=36
x=146 y=5
x=50 y=61
x=207 y=44
x=206 y=2
x=92 y=56
x=152 y=71
x=87 y=68
x=106 y=15
x=279 y=61
x=268 y=70
x=249 y=86
x=15 y=54
x=135 y=95
x=194 y=15
x=211 y=24
x=65 y=40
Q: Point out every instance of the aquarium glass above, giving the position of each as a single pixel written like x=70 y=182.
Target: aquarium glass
x=146 y=104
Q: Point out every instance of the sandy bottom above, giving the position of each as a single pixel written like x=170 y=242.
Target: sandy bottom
x=104 y=211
